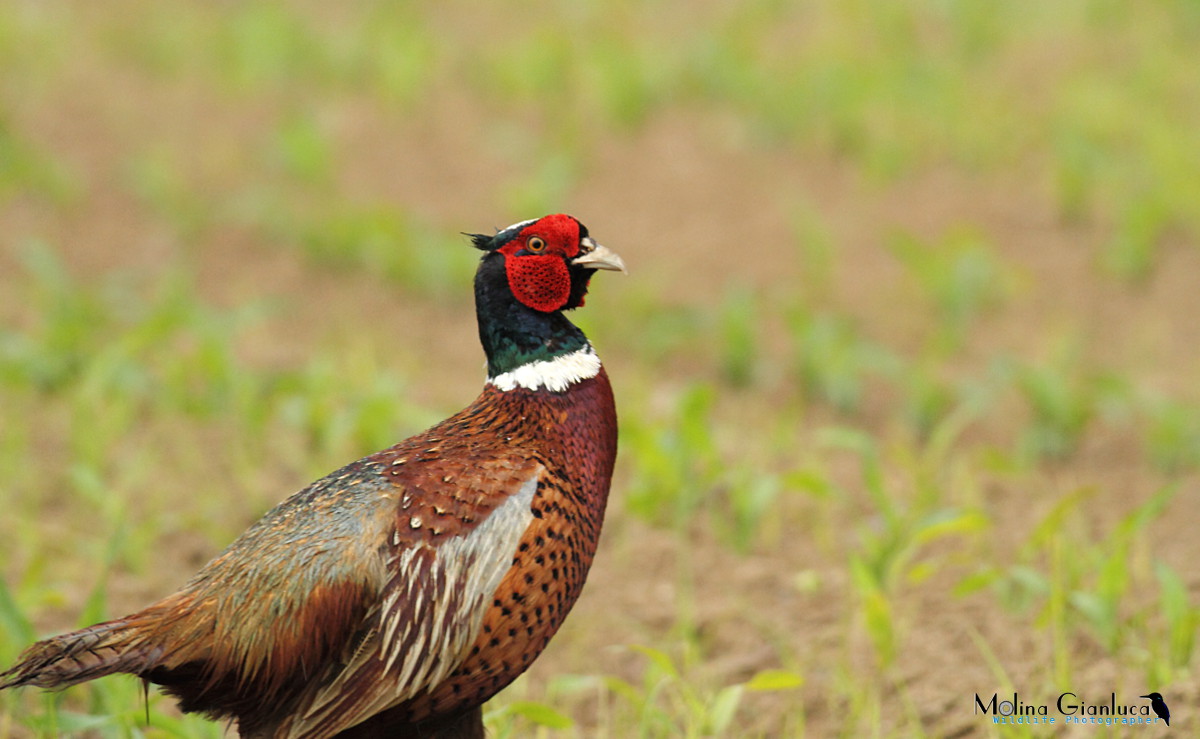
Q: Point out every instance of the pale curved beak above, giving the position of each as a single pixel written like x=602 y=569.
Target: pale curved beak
x=599 y=257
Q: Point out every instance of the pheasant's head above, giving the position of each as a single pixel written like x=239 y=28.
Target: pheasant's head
x=547 y=262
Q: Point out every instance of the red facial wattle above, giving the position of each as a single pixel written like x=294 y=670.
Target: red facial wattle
x=541 y=279
x=541 y=282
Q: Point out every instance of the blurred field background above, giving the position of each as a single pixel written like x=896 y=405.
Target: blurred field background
x=906 y=363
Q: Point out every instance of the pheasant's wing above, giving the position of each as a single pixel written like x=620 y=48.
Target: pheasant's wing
x=445 y=568
x=252 y=630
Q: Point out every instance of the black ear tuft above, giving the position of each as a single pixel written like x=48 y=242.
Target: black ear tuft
x=481 y=241
x=502 y=237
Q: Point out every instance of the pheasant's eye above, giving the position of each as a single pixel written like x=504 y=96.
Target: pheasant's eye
x=535 y=244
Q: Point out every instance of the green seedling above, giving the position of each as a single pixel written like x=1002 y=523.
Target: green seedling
x=1180 y=619
x=1172 y=439
x=1064 y=399
x=675 y=460
x=834 y=360
x=668 y=704
x=737 y=336
x=959 y=274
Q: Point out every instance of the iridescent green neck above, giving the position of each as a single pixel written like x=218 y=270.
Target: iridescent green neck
x=514 y=334
x=508 y=350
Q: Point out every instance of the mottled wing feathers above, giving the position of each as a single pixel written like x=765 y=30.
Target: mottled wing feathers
x=262 y=619
x=430 y=614
x=215 y=674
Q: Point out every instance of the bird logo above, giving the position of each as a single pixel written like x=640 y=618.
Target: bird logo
x=1160 y=706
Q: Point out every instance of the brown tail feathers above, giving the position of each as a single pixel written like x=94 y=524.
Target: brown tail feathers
x=113 y=646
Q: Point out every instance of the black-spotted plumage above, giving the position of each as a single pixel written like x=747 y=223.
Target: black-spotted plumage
x=396 y=595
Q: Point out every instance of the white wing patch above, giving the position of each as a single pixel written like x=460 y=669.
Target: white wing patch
x=471 y=566
x=555 y=375
x=432 y=614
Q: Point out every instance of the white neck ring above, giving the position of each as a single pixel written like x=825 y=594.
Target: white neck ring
x=555 y=375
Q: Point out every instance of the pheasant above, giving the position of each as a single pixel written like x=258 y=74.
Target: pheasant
x=396 y=595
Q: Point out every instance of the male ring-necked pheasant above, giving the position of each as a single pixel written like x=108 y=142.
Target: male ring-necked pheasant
x=397 y=594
